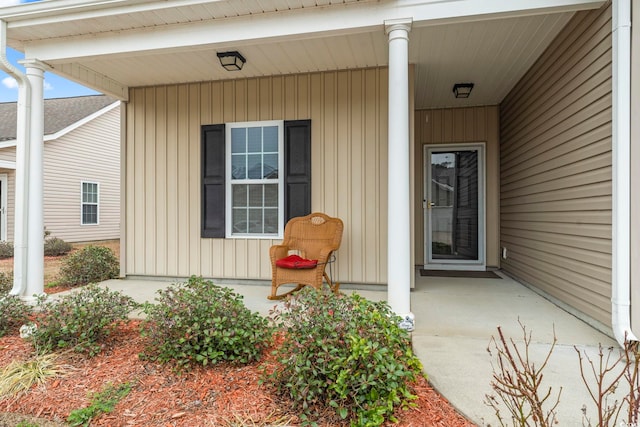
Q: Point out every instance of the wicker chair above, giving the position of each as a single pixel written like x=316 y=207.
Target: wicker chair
x=313 y=237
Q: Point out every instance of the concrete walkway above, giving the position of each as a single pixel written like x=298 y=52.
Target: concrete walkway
x=455 y=320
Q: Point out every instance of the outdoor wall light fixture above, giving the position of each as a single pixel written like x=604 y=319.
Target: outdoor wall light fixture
x=231 y=61
x=462 y=90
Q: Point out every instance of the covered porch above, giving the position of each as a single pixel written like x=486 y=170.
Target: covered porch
x=369 y=77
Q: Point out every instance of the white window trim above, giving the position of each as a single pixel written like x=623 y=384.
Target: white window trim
x=82 y=203
x=228 y=191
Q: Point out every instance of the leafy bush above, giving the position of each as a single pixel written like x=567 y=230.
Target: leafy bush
x=89 y=265
x=199 y=322
x=56 y=247
x=6 y=282
x=81 y=320
x=6 y=249
x=13 y=313
x=344 y=351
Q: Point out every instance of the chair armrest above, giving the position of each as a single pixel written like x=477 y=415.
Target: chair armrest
x=277 y=252
x=324 y=255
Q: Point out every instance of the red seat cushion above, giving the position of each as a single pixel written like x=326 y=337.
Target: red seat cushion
x=296 y=261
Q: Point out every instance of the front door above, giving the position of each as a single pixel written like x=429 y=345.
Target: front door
x=454 y=207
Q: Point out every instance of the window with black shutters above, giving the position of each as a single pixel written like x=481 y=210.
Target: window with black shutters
x=255 y=177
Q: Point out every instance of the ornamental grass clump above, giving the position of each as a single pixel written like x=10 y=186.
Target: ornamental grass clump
x=19 y=376
x=81 y=320
x=198 y=322
x=346 y=353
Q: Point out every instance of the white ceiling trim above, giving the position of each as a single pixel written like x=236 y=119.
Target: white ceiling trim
x=53 y=11
x=293 y=24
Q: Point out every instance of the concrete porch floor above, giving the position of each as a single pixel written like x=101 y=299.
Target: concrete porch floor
x=455 y=320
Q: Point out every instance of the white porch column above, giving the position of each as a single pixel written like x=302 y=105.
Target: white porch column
x=35 y=211
x=399 y=209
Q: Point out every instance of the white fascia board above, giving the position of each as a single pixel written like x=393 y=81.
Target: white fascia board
x=290 y=24
x=53 y=11
x=5 y=164
x=81 y=122
x=8 y=143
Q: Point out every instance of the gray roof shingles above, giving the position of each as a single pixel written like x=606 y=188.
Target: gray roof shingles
x=59 y=113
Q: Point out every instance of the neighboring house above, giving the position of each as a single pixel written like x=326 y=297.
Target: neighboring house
x=81 y=168
x=352 y=102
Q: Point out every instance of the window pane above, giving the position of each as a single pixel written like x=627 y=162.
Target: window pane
x=89 y=192
x=238 y=166
x=255 y=156
x=271 y=220
x=89 y=214
x=239 y=220
x=255 y=140
x=255 y=220
x=254 y=166
x=271 y=195
x=270 y=137
x=270 y=166
x=239 y=197
x=255 y=195
x=238 y=140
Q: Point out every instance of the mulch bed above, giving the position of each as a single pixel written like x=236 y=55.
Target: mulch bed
x=222 y=395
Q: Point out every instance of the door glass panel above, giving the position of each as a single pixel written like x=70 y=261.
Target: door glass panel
x=454 y=205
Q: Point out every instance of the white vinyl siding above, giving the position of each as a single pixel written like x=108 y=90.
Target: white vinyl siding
x=348 y=113
x=555 y=167
x=90 y=152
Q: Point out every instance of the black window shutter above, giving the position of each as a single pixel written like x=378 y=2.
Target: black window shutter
x=213 y=181
x=297 y=168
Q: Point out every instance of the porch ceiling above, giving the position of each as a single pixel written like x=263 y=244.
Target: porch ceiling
x=144 y=42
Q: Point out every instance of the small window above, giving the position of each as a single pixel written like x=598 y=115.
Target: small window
x=90 y=197
x=255 y=196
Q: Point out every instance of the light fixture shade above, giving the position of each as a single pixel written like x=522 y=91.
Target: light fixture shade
x=462 y=90
x=231 y=61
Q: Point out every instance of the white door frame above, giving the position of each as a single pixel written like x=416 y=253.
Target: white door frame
x=442 y=264
x=4 y=188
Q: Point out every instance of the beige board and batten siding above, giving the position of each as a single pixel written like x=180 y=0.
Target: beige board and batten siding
x=461 y=126
x=348 y=112
x=555 y=162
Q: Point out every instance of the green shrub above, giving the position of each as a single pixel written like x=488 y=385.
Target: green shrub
x=345 y=352
x=199 y=322
x=6 y=282
x=6 y=249
x=56 y=247
x=13 y=313
x=89 y=265
x=81 y=320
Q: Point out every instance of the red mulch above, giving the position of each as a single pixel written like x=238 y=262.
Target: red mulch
x=216 y=396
